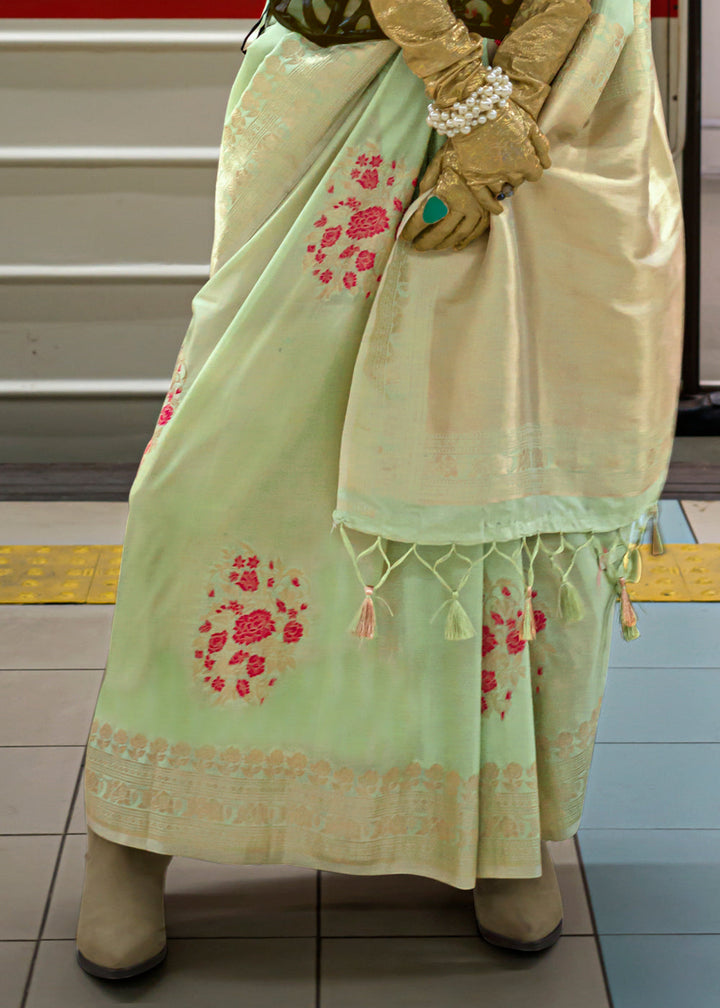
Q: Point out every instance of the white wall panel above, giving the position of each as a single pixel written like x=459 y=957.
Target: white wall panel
x=98 y=330
x=106 y=214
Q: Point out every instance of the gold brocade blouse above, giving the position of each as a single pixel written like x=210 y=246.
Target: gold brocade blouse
x=338 y=22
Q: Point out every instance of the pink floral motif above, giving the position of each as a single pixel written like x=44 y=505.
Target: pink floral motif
x=489 y=682
x=514 y=644
x=165 y=414
x=229 y=674
x=369 y=179
x=217 y=641
x=489 y=642
x=253 y=627
x=369 y=197
x=366 y=223
x=293 y=632
x=330 y=237
x=365 y=260
x=255 y=665
x=502 y=637
x=249 y=581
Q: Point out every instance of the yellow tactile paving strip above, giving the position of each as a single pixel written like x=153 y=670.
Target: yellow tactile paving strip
x=44 y=574
x=89 y=574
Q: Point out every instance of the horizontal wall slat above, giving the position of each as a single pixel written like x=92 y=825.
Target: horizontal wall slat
x=29 y=272
x=70 y=388
x=84 y=155
x=123 y=39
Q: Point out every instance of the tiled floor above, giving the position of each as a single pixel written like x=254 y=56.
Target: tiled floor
x=273 y=936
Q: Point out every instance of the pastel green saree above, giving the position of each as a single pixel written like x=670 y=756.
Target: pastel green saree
x=477 y=437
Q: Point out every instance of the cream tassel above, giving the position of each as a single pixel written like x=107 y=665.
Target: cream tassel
x=365 y=624
x=458 y=625
x=528 y=624
x=628 y=618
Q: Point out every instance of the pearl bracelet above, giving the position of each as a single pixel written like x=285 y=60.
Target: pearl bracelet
x=476 y=109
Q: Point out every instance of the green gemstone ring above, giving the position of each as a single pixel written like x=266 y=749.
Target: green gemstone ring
x=434 y=210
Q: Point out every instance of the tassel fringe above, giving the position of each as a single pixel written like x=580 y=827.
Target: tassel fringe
x=620 y=562
x=658 y=546
x=528 y=624
x=458 y=625
x=365 y=623
x=571 y=607
x=628 y=617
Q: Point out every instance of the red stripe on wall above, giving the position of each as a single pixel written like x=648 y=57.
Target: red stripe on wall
x=132 y=8
x=180 y=8
x=664 y=8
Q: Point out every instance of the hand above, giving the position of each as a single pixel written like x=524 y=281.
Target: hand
x=466 y=219
x=510 y=149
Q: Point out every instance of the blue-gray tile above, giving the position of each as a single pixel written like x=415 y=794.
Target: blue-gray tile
x=673 y=524
x=653 y=881
x=651 y=786
x=661 y=705
x=663 y=971
x=672 y=635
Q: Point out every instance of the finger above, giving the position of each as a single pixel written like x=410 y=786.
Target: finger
x=434 y=235
x=465 y=228
x=479 y=230
x=432 y=174
x=415 y=225
x=534 y=171
x=486 y=198
x=542 y=147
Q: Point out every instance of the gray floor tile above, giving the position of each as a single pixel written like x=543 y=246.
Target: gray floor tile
x=663 y=971
x=704 y=518
x=62 y=523
x=653 y=881
x=458 y=973
x=640 y=705
x=651 y=786
x=15 y=958
x=54 y=636
x=77 y=819
x=36 y=788
x=216 y=972
x=205 y=900
x=39 y=707
x=394 y=905
x=26 y=867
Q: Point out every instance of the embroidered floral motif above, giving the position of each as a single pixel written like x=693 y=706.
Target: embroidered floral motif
x=259 y=616
x=172 y=400
x=503 y=648
x=351 y=240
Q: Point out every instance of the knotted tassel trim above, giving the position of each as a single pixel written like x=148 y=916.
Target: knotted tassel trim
x=571 y=606
x=628 y=617
x=528 y=624
x=458 y=625
x=365 y=623
x=658 y=546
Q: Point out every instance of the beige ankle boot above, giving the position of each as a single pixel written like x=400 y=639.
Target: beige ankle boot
x=521 y=914
x=121 y=930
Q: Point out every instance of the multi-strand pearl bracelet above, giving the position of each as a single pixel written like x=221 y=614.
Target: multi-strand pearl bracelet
x=475 y=110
